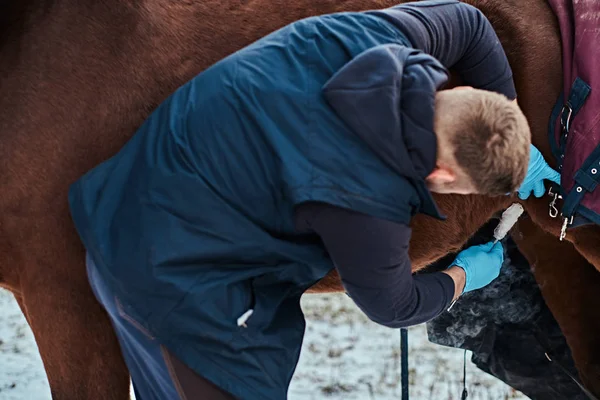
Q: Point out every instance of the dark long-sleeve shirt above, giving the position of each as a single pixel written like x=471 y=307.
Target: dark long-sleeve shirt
x=371 y=254
x=460 y=37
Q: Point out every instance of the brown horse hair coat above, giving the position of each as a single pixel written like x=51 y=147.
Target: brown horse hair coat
x=77 y=77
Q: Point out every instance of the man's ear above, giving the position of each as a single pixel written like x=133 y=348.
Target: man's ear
x=462 y=87
x=441 y=176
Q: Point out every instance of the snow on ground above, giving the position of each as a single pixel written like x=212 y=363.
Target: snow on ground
x=345 y=356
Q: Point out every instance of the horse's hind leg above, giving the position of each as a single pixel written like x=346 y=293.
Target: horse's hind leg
x=79 y=350
x=570 y=286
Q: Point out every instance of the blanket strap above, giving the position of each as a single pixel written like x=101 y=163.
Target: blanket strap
x=588 y=176
x=404 y=363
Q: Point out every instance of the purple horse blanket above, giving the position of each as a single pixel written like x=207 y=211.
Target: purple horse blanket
x=575 y=126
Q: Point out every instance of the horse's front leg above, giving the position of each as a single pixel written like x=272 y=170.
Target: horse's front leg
x=78 y=347
x=570 y=286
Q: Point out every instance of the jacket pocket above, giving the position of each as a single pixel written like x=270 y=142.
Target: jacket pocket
x=244 y=319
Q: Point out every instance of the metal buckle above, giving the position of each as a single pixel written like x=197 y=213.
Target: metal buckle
x=566 y=123
x=563 y=230
x=553 y=211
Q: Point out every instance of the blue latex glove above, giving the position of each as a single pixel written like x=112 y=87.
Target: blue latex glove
x=481 y=264
x=537 y=171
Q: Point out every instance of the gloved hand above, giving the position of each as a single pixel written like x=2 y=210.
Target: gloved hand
x=481 y=264
x=537 y=171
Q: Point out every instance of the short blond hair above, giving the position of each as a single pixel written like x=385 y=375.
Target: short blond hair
x=490 y=137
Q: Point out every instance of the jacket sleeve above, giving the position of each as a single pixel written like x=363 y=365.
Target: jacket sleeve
x=371 y=256
x=458 y=35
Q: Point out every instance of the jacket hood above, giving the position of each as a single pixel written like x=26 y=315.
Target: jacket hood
x=386 y=95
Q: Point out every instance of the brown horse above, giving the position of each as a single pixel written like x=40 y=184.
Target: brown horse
x=77 y=77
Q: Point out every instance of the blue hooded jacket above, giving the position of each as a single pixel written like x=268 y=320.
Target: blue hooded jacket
x=191 y=223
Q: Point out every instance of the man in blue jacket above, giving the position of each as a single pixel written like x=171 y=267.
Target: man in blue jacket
x=308 y=150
